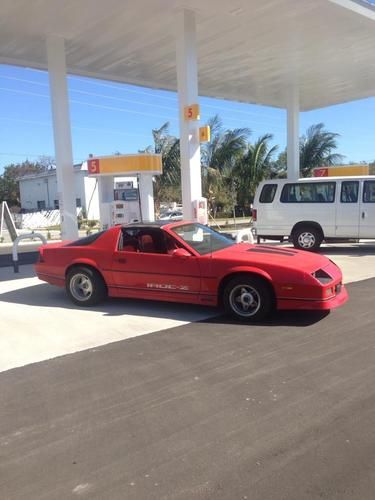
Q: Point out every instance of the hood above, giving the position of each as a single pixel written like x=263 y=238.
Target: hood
x=269 y=254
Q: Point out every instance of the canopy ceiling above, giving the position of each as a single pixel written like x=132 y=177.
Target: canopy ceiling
x=248 y=50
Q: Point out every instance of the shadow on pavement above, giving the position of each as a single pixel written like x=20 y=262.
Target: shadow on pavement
x=360 y=250
x=45 y=295
x=24 y=258
x=279 y=318
x=8 y=274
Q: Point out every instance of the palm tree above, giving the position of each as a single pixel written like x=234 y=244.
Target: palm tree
x=170 y=180
x=316 y=148
x=253 y=167
x=218 y=158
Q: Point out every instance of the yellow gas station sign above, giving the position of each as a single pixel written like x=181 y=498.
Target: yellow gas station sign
x=125 y=165
x=205 y=134
x=341 y=170
x=192 y=112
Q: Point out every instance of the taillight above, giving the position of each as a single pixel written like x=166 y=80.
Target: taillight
x=254 y=214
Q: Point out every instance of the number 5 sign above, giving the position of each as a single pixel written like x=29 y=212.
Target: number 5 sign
x=192 y=112
x=93 y=166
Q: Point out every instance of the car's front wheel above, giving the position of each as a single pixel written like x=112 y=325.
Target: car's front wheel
x=248 y=298
x=85 y=286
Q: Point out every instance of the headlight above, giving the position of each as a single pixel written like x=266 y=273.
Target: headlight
x=322 y=276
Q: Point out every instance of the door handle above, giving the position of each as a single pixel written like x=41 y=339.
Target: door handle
x=121 y=260
x=363 y=215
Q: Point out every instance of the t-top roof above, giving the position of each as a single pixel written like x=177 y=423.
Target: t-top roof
x=248 y=50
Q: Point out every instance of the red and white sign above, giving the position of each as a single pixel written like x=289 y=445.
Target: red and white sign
x=93 y=166
x=321 y=172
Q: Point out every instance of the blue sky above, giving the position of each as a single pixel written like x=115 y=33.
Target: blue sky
x=109 y=117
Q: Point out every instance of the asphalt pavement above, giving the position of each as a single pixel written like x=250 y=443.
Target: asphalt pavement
x=283 y=410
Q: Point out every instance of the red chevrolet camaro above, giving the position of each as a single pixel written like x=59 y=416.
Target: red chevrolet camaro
x=191 y=263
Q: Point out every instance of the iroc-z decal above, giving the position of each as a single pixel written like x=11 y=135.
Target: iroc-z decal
x=165 y=286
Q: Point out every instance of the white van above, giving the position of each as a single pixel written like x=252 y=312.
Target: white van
x=315 y=209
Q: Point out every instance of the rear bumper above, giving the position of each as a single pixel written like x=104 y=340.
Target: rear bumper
x=48 y=277
x=314 y=305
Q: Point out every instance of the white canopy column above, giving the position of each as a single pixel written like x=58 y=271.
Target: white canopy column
x=62 y=136
x=293 y=167
x=146 y=197
x=187 y=86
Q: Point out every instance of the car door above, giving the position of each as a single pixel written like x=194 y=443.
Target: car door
x=347 y=209
x=147 y=272
x=367 y=210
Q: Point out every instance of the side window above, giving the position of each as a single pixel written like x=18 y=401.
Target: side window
x=128 y=241
x=146 y=240
x=268 y=193
x=288 y=194
x=309 y=192
x=349 y=192
x=152 y=241
x=369 y=192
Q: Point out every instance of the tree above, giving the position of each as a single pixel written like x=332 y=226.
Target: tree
x=253 y=167
x=279 y=167
x=218 y=159
x=9 y=187
x=316 y=148
x=166 y=186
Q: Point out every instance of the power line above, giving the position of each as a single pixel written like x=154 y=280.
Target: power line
x=210 y=106
x=77 y=127
x=100 y=106
x=126 y=110
x=37 y=155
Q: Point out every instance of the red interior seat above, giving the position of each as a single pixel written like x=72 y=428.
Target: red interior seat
x=147 y=244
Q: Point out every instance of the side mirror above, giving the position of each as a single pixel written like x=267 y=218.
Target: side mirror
x=181 y=252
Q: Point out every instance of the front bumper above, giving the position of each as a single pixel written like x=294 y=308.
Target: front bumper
x=313 y=304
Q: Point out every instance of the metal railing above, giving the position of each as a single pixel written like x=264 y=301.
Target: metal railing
x=31 y=236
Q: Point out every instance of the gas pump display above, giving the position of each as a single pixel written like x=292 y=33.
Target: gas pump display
x=125 y=207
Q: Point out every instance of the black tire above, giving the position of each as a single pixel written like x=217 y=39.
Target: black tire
x=307 y=238
x=85 y=287
x=248 y=298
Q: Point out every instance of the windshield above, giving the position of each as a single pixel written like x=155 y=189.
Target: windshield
x=203 y=239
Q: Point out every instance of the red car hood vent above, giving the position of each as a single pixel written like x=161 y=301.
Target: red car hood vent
x=275 y=251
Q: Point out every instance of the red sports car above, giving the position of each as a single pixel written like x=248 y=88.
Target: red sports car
x=191 y=263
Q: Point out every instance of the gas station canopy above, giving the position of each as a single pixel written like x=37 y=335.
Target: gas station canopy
x=248 y=50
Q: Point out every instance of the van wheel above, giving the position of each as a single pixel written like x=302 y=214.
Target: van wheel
x=307 y=238
x=247 y=298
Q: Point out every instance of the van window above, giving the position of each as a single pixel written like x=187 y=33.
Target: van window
x=349 y=191
x=308 y=192
x=369 y=192
x=268 y=193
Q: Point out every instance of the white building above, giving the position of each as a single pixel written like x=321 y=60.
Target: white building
x=40 y=192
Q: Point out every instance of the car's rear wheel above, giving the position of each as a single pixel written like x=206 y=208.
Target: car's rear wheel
x=248 y=298
x=307 y=238
x=85 y=286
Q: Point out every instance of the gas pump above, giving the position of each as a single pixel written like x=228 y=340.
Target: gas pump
x=126 y=205
x=122 y=202
x=200 y=211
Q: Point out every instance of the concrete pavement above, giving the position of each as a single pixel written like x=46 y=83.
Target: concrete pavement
x=38 y=322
